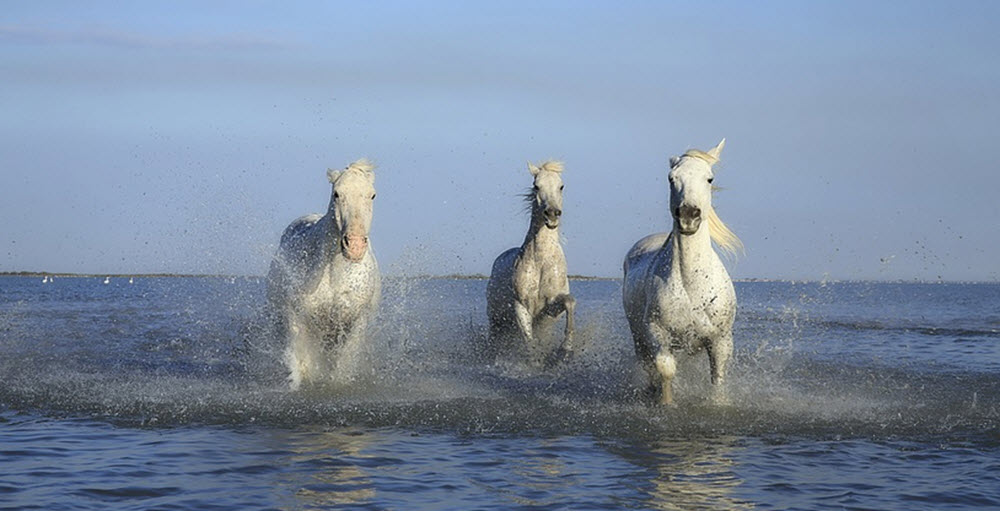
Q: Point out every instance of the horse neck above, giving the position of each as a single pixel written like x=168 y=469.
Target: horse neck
x=331 y=232
x=692 y=253
x=540 y=240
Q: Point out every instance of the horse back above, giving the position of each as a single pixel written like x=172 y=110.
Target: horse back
x=503 y=266
x=296 y=231
x=647 y=245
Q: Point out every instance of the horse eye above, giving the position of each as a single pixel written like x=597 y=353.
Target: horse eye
x=535 y=188
x=562 y=187
x=373 y=197
x=711 y=180
x=336 y=195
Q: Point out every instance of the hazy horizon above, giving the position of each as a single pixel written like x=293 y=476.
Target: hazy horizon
x=183 y=137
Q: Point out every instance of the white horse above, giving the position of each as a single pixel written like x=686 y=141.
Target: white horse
x=676 y=292
x=528 y=285
x=324 y=285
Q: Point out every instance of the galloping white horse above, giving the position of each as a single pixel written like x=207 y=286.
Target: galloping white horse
x=324 y=285
x=528 y=285
x=677 y=293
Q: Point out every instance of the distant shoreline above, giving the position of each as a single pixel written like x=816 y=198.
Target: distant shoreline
x=469 y=277
x=24 y=273
x=116 y=276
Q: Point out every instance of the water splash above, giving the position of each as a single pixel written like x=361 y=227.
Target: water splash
x=199 y=351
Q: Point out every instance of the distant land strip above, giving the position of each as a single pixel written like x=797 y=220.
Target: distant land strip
x=22 y=273
x=26 y=273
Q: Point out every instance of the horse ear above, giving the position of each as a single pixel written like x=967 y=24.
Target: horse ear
x=674 y=160
x=718 y=149
x=332 y=175
x=533 y=169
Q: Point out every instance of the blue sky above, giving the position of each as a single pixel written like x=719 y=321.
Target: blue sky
x=184 y=136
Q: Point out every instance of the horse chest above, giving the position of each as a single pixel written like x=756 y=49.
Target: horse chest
x=690 y=310
x=340 y=294
x=537 y=285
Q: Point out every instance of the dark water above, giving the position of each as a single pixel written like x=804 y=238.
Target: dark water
x=165 y=393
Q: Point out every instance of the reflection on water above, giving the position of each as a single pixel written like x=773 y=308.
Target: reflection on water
x=687 y=474
x=328 y=470
x=351 y=469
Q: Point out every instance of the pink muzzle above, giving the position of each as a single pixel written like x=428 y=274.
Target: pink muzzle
x=354 y=247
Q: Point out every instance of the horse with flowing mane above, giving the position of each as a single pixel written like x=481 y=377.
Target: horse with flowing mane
x=676 y=292
x=324 y=286
x=529 y=287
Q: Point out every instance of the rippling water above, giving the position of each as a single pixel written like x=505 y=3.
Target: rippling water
x=167 y=393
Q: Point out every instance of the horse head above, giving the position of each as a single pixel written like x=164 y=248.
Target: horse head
x=546 y=193
x=351 y=205
x=691 y=177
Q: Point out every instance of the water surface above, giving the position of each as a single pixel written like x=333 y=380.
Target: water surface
x=167 y=393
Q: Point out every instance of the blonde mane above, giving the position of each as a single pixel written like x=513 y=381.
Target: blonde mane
x=723 y=237
x=551 y=166
x=361 y=164
x=701 y=155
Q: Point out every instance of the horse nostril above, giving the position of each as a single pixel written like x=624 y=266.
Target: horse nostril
x=557 y=212
x=691 y=212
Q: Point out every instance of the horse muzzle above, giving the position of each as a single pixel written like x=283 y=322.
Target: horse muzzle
x=354 y=247
x=552 y=216
x=688 y=218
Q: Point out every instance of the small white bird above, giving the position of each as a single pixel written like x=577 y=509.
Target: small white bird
x=107 y=280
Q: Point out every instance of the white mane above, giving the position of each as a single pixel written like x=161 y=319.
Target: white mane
x=723 y=237
x=551 y=166
x=362 y=165
x=701 y=155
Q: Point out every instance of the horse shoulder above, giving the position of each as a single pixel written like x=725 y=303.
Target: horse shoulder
x=525 y=277
x=552 y=274
x=719 y=297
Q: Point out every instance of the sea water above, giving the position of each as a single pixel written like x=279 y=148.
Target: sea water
x=169 y=393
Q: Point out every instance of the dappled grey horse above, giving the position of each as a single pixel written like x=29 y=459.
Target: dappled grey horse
x=324 y=285
x=676 y=292
x=529 y=287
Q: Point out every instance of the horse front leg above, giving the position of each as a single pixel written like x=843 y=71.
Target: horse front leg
x=349 y=353
x=524 y=322
x=563 y=303
x=299 y=354
x=719 y=351
x=664 y=363
x=569 y=305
